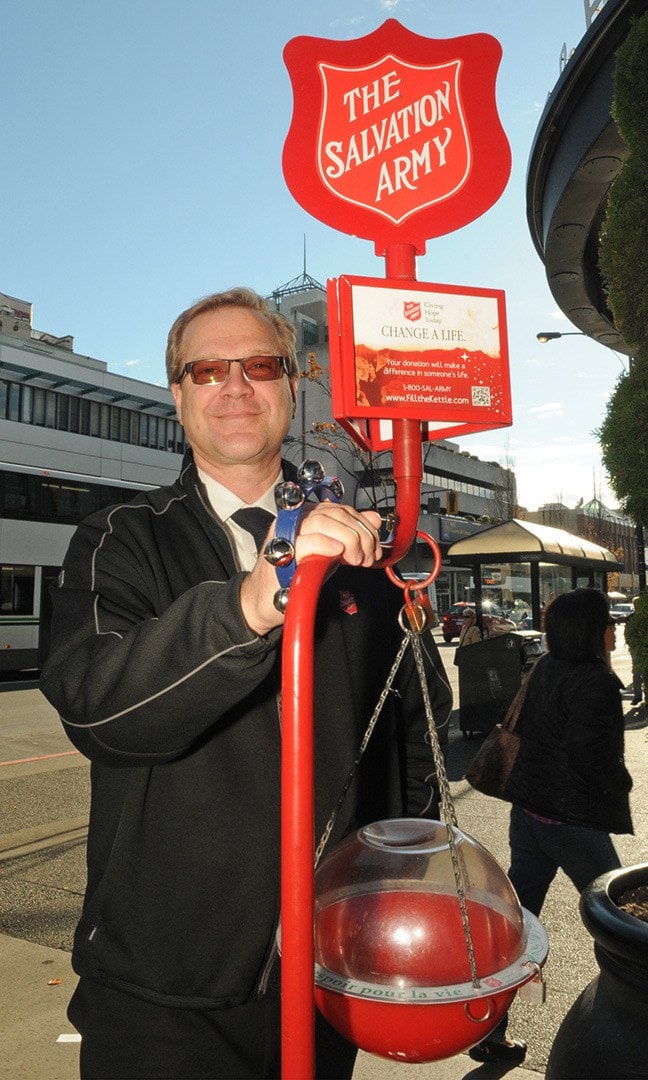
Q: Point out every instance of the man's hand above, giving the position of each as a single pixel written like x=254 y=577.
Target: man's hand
x=329 y=529
x=340 y=532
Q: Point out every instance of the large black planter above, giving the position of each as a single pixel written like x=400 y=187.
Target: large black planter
x=604 y=1036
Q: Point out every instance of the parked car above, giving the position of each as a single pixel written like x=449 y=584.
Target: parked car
x=494 y=619
x=521 y=616
x=620 y=612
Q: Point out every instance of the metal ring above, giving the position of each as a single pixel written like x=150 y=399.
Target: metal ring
x=403 y=622
x=434 y=573
x=480 y=1019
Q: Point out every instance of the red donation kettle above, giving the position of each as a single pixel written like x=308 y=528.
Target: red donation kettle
x=392 y=972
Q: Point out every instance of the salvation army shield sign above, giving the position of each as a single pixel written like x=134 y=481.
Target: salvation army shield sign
x=395 y=137
x=410 y=156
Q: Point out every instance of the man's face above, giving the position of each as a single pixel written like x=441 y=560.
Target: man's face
x=236 y=422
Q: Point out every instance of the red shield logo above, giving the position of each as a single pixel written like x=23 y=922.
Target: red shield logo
x=412 y=310
x=393 y=136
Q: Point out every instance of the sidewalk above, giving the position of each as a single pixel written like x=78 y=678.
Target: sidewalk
x=32 y=1013
x=43 y=797
x=34 y=1028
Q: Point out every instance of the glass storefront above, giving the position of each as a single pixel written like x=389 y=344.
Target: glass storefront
x=509 y=584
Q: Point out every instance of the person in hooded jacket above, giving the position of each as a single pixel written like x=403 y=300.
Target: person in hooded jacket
x=569 y=785
x=164 y=667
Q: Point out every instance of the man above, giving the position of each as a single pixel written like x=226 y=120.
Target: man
x=166 y=642
x=637 y=674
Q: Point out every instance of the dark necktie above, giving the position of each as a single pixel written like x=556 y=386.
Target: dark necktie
x=256 y=521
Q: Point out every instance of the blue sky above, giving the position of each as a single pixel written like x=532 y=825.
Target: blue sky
x=141 y=169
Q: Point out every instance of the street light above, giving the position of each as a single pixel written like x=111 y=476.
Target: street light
x=551 y=335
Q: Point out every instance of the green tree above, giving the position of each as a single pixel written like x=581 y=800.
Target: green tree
x=623 y=436
x=623 y=260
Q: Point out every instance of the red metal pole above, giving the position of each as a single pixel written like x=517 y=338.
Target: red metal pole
x=400 y=262
x=408 y=473
x=298 y=823
x=297 y=767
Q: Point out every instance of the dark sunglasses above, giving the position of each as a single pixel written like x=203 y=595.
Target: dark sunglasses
x=254 y=368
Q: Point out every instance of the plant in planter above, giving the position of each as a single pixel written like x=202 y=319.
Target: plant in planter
x=635 y=902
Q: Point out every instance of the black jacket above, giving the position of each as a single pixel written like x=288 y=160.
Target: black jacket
x=160 y=682
x=570 y=763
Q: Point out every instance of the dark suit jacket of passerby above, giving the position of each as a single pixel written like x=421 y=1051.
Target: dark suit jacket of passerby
x=570 y=765
x=161 y=683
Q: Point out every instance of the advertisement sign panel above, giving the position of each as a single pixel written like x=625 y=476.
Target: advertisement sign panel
x=409 y=349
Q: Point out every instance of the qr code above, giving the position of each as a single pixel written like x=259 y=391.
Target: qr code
x=481 y=395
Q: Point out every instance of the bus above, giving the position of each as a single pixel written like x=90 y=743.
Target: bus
x=39 y=511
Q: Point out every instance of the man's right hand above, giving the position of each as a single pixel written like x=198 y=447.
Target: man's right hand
x=332 y=530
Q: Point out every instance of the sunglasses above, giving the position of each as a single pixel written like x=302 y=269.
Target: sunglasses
x=254 y=368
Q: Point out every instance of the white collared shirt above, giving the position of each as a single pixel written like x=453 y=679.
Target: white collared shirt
x=224 y=503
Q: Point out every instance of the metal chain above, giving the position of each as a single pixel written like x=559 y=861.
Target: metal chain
x=363 y=746
x=447 y=807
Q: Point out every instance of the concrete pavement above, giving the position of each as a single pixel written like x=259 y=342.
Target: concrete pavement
x=37 y=1042
x=43 y=800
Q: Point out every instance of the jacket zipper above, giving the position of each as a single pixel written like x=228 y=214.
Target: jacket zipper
x=262 y=982
x=261 y=985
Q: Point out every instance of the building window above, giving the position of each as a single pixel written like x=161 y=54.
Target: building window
x=95 y=419
x=17 y=496
x=50 y=409
x=105 y=422
x=74 y=415
x=310 y=334
x=13 y=409
x=63 y=412
x=16 y=590
x=115 y=423
x=81 y=416
x=84 y=417
x=39 y=407
x=133 y=433
x=26 y=405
